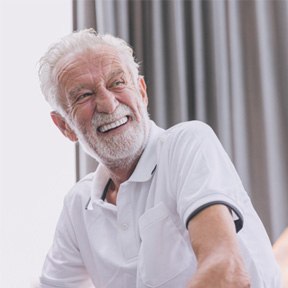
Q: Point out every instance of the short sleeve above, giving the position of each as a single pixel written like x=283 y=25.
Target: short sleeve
x=63 y=266
x=203 y=174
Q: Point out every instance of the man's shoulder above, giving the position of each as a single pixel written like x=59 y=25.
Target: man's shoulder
x=192 y=129
x=194 y=125
x=81 y=191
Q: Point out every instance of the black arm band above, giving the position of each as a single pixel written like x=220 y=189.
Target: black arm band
x=238 y=222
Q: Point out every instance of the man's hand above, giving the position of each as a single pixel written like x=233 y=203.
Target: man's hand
x=213 y=238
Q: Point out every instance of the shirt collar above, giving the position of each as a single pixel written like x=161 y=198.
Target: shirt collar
x=143 y=171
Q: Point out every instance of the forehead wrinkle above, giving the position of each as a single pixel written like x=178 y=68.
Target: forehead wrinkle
x=96 y=65
x=62 y=74
x=105 y=57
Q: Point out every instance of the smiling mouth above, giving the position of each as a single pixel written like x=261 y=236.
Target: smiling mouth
x=107 y=127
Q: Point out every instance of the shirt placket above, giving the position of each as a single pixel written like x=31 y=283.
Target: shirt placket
x=126 y=224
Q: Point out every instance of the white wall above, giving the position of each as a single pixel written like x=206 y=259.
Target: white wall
x=37 y=164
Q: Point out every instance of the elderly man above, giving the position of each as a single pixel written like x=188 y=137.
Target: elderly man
x=164 y=208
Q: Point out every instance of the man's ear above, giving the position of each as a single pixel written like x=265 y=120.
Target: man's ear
x=143 y=89
x=60 y=122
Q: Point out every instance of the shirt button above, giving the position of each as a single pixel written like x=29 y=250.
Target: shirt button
x=124 y=226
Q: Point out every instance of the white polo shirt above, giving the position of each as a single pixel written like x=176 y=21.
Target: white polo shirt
x=143 y=240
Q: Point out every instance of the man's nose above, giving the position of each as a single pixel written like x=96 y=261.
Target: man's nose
x=106 y=102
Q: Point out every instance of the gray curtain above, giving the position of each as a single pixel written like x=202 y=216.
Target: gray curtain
x=222 y=62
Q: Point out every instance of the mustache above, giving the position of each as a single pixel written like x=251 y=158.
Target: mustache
x=103 y=118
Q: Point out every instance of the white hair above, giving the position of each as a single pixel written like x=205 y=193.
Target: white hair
x=75 y=43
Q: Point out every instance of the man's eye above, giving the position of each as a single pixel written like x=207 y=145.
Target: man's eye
x=84 y=96
x=118 y=83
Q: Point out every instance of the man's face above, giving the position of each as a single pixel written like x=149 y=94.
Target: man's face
x=106 y=111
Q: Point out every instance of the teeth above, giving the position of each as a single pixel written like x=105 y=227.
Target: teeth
x=113 y=125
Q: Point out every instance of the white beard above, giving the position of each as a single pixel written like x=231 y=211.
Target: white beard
x=122 y=149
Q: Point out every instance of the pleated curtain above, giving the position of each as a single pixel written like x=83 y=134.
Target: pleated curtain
x=221 y=62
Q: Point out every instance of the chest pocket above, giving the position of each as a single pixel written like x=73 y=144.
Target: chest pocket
x=165 y=259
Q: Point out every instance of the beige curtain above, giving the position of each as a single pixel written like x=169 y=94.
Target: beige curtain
x=222 y=62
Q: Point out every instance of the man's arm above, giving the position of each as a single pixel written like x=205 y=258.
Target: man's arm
x=280 y=249
x=63 y=266
x=213 y=238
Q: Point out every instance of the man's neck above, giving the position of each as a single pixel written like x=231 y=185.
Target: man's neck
x=118 y=175
x=122 y=172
